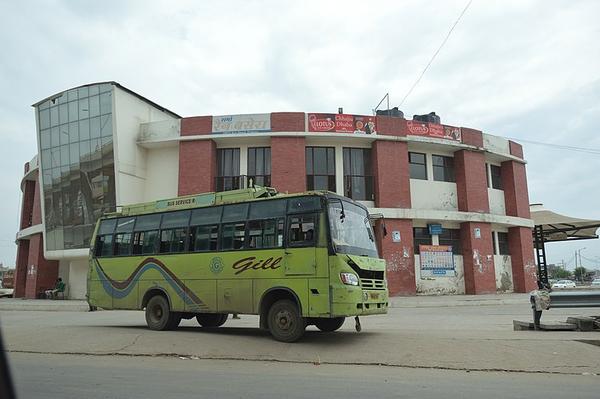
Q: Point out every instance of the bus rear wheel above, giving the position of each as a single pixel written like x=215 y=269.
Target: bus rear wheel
x=211 y=320
x=159 y=316
x=329 y=325
x=286 y=324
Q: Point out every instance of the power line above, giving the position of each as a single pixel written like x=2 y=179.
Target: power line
x=436 y=53
x=593 y=151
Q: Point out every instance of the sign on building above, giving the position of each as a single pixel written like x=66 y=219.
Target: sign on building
x=245 y=123
x=342 y=123
x=437 y=261
x=434 y=130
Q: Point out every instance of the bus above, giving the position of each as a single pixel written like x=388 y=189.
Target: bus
x=293 y=259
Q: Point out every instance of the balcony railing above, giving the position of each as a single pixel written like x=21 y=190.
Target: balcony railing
x=227 y=183
x=320 y=182
x=359 y=187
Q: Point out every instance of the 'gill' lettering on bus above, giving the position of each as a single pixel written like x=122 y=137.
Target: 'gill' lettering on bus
x=251 y=263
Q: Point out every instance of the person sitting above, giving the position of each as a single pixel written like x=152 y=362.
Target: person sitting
x=58 y=287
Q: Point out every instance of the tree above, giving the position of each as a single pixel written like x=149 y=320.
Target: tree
x=559 y=273
x=580 y=273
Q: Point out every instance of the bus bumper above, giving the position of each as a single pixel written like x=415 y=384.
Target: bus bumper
x=359 y=302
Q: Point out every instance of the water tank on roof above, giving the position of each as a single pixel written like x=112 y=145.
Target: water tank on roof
x=429 y=118
x=395 y=112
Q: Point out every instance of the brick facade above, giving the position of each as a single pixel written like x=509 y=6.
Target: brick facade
x=196 y=125
x=41 y=273
x=197 y=166
x=399 y=256
x=471 y=181
x=392 y=178
x=288 y=122
x=514 y=182
x=524 y=270
x=478 y=258
x=288 y=164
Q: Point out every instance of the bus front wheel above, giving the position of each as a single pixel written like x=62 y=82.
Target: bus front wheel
x=211 y=319
x=159 y=316
x=286 y=324
x=329 y=325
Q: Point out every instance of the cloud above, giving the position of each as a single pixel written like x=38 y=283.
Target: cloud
x=525 y=69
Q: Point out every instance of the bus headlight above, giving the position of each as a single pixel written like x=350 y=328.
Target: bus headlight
x=349 y=278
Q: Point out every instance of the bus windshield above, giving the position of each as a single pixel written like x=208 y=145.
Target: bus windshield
x=351 y=232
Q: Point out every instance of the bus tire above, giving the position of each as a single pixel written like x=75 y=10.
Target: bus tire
x=211 y=320
x=286 y=324
x=329 y=325
x=159 y=316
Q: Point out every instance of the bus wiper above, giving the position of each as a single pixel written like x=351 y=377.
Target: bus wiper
x=369 y=230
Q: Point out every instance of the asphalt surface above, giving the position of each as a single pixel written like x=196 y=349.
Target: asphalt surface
x=473 y=338
x=76 y=377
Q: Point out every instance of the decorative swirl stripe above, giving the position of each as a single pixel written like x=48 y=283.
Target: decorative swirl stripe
x=120 y=289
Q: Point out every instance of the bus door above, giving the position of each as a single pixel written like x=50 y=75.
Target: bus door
x=300 y=253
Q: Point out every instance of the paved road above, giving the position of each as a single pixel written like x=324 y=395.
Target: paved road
x=70 y=376
x=460 y=338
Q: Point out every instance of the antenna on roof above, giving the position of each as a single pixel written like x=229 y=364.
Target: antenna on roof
x=387 y=96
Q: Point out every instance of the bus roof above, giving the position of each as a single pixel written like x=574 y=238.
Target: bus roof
x=207 y=199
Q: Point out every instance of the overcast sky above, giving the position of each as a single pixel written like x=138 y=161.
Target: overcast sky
x=528 y=70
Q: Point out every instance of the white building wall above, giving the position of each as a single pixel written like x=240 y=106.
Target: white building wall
x=504 y=277
x=77 y=286
x=435 y=195
x=441 y=285
x=496 y=199
x=131 y=166
x=162 y=173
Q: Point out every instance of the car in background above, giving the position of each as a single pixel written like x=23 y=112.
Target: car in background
x=564 y=284
x=596 y=282
x=5 y=292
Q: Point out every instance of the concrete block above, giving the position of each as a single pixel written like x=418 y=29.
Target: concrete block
x=582 y=323
x=519 y=325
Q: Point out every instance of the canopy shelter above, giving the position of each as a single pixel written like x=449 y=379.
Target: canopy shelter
x=552 y=227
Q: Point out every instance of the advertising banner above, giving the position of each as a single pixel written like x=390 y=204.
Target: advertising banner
x=247 y=123
x=437 y=261
x=434 y=130
x=341 y=123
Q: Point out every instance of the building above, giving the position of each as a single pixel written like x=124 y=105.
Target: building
x=453 y=200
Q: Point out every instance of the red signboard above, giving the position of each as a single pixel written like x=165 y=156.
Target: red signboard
x=341 y=123
x=417 y=128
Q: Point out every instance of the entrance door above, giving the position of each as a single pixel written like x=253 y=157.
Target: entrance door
x=300 y=254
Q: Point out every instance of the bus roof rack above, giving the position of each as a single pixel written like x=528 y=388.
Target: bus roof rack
x=195 y=200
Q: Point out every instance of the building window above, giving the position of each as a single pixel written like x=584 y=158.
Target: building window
x=418 y=165
x=451 y=237
x=495 y=177
x=320 y=168
x=502 y=244
x=421 y=236
x=358 y=179
x=259 y=166
x=443 y=168
x=77 y=164
x=228 y=169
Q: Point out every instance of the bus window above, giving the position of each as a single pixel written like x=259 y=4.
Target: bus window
x=234 y=213
x=107 y=226
x=265 y=233
x=144 y=242
x=104 y=245
x=204 y=238
x=175 y=219
x=267 y=209
x=232 y=236
x=301 y=230
x=123 y=244
x=204 y=216
x=125 y=225
x=145 y=235
x=304 y=204
x=173 y=240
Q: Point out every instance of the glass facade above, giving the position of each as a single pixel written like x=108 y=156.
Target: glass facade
x=75 y=132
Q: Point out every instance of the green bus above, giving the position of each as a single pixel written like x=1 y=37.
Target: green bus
x=293 y=259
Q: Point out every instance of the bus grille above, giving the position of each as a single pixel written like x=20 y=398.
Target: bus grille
x=372 y=284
